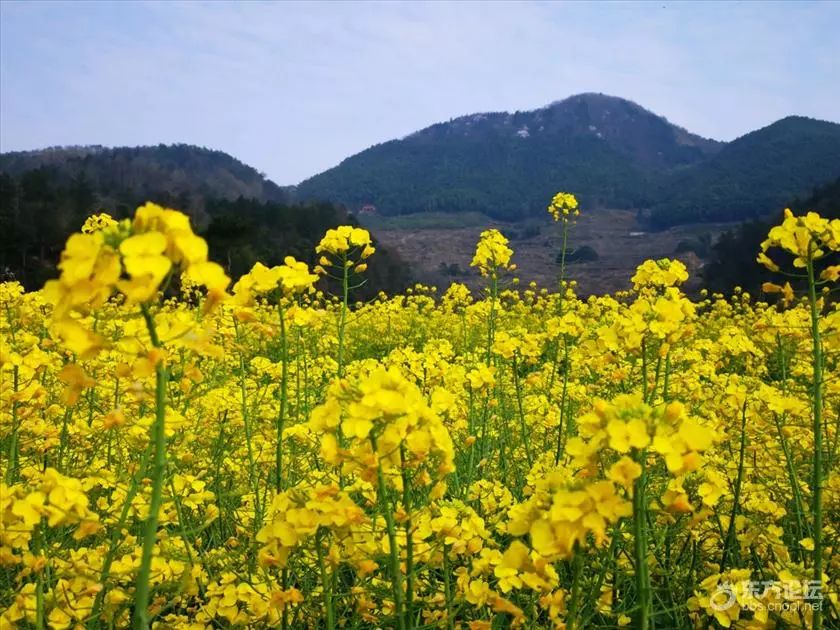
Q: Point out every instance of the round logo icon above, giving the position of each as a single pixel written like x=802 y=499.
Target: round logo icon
x=723 y=597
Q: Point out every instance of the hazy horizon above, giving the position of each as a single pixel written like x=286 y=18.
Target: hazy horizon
x=294 y=88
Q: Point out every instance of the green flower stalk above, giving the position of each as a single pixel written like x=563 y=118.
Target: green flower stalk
x=808 y=238
x=158 y=472
x=817 y=462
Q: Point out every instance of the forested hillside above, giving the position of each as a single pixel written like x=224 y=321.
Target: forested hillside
x=184 y=173
x=610 y=151
x=753 y=175
x=46 y=195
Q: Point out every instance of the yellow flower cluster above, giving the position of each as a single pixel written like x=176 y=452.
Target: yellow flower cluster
x=292 y=278
x=49 y=500
x=342 y=239
x=520 y=344
x=659 y=273
x=299 y=514
x=628 y=424
x=492 y=254
x=98 y=222
x=239 y=603
x=132 y=257
x=802 y=237
x=563 y=206
x=341 y=245
x=562 y=513
x=457 y=526
x=383 y=422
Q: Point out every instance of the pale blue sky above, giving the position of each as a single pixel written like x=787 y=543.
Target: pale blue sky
x=294 y=88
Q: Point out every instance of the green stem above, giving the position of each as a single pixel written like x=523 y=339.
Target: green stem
x=736 y=500
x=393 y=552
x=409 y=542
x=39 y=592
x=65 y=438
x=563 y=268
x=158 y=438
x=326 y=584
x=182 y=530
x=577 y=569
x=522 y=427
x=643 y=590
x=559 y=451
x=472 y=447
x=447 y=590
x=281 y=417
x=607 y=562
x=116 y=533
x=799 y=508
x=11 y=473
x=246 y=420
x=817 y=385
x=491 y=320
x=342 y=319
x=284 y=583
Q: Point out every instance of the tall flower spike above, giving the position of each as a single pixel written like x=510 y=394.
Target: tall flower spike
x=563 y=206
x=492 y=253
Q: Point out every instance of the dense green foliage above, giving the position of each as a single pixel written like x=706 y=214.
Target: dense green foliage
x=44 y=196
x=610 y=151
x=733 y=260
x=753 y=175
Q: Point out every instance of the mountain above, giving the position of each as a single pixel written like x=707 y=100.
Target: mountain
x=184 y=174
x=610 y=151
x=754 y=174
x=46 y=195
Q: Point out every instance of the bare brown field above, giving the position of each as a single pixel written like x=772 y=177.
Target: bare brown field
x=617 y=237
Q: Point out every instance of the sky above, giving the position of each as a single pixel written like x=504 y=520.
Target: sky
x=294 y=88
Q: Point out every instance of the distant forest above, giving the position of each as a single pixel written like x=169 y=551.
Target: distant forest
x=732 y=263
x=45 y=196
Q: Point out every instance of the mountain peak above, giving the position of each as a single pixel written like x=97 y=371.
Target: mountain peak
x=802 y=122
x=593 y=98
